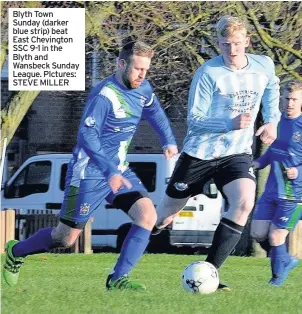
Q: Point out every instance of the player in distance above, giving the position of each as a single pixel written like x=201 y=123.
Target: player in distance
x=279 y=208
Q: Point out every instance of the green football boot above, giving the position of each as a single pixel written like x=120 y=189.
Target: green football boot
x=11 y=268
x=123 y=283
x=223 y=287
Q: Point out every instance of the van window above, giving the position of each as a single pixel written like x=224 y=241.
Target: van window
x=34 y=178
x=63 y=175
x=146 y=171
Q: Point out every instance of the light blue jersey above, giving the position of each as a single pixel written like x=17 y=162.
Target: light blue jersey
x=218 y=94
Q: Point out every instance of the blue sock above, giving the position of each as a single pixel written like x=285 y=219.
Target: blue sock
x=279 y=259
x=132 y=250
x=40 y=242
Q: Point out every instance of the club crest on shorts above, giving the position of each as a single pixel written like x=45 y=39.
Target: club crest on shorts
x=180 y=186
x=84 y=209
x=251 y=172
x=296 y=136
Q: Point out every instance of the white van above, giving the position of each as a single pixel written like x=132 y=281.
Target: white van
x=39 y=184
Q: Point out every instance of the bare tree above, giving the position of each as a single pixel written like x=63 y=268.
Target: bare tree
x=13 y=112
x=183 y=35
x=18 y=104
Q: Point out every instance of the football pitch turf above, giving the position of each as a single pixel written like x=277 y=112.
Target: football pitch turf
x=57 y=283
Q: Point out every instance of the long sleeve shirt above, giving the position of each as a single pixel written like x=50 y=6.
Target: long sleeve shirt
x=109 y=121
x=218 y=94
x=285 y=152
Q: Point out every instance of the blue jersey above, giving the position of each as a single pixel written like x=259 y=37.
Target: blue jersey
x=108 y=124
x=218 y=94
x=285 y=152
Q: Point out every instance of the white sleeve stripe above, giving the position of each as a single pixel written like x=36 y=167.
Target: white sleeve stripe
x=148 y=104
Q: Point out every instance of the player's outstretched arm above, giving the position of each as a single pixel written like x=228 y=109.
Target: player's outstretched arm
x=256 y=165
x=199 y=103
x=156 y=117
x=263 y=160
x=270 y=104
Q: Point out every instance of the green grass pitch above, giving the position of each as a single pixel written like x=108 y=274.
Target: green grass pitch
x=72 y=284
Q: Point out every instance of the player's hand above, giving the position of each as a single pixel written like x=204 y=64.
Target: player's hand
x=256 y=165
x=292 y=173
x=117 y=181
x=267 y=132
x=170 y=151
x=242 y=121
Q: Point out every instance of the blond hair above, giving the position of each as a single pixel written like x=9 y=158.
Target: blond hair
x=228 y=25
x=293 y=86
x=137 y=48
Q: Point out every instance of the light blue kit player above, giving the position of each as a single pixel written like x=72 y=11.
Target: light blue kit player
x=224 y=101
x=98 y=169
x=280 y=207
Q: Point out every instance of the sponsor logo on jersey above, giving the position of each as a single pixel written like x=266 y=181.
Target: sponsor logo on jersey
x=143 y=100
x=296 y=136
x=285 y=219
x=90 y=121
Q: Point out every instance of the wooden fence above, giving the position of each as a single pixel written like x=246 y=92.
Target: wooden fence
x=295 y=241
x=7 y=227
x=14 y=224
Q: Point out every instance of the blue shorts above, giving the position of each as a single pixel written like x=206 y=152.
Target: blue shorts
x=284 y=214
x=80 y=202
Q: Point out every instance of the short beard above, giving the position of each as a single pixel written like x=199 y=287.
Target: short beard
x=126 y=80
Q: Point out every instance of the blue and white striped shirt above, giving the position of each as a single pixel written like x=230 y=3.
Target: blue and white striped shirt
x=218 y=94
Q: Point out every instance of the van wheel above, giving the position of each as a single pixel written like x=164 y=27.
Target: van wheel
x=121 y=235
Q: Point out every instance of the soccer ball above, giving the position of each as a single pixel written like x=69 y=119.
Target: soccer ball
x=200 y=277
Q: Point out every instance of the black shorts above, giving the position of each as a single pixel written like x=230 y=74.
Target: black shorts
x=191 y=174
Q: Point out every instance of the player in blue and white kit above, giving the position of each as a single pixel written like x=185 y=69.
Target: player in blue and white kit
x=98 y=169
x=224 y=101
x=280 y=207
